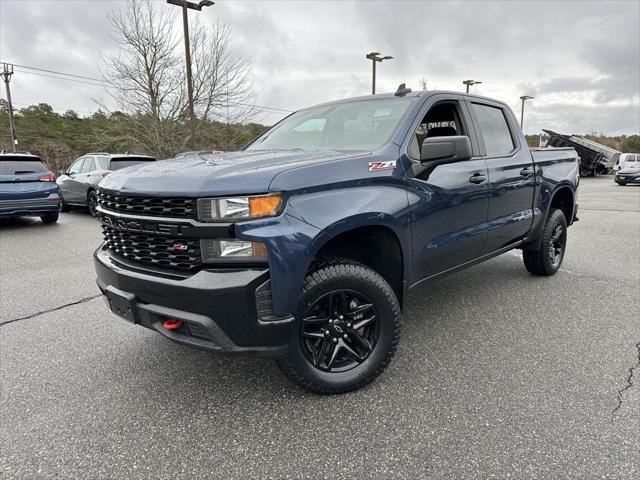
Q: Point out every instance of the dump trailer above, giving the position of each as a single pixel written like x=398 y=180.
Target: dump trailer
x=595 y=157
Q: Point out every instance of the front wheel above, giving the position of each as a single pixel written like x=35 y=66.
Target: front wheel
x=546 y=260
x=621 y=183
x=346 y=331
x=92 y=203
x=64 y=207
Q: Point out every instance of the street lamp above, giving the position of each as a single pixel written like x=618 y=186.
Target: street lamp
x=187 y=53
x=468 y=83
x=375 y=57
x=523 y=98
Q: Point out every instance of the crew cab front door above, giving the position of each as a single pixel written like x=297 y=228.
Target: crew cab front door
x=511 y=174
x=449 y=203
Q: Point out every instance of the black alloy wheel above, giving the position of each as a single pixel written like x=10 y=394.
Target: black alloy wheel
x=339 y=330
x=556 y=244
x=346 y=331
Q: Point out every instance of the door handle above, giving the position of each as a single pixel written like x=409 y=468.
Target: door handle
x=477 y=178
x=526 y=172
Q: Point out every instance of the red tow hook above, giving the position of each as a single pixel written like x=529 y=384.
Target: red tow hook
x=172 y=324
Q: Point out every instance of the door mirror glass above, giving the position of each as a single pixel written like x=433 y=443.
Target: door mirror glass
x=445 y=149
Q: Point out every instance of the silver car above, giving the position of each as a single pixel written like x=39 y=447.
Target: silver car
x=78 y=183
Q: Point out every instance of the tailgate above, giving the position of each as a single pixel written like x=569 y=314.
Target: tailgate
x=24 y=186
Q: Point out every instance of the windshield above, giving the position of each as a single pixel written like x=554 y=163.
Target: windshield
x=18 y=166
x=118 y=163
x=355 y=126
x=635 y=165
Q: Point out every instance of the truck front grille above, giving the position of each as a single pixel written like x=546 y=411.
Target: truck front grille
x=154 y=250
x=150 y=206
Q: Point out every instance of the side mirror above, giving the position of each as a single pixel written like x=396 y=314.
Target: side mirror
x=62 y=171
x=440 y=150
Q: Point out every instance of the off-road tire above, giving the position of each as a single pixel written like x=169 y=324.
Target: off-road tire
x=329 y=276
x=49 y=218
x=539 y=262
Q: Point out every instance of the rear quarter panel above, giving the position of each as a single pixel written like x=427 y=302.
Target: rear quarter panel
x=556 y=168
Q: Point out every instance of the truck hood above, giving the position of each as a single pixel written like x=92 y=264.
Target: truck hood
x=229 y=173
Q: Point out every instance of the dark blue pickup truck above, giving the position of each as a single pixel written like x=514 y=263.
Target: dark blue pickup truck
x=304 y=245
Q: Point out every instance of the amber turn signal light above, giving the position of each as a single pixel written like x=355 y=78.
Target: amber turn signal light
x=264 y=206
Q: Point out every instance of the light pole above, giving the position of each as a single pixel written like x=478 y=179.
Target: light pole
x=468 y=83
x=375 y=57
x=523 y=98
x=187 y=53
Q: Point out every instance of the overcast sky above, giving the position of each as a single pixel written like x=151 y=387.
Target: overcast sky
x=580 y=59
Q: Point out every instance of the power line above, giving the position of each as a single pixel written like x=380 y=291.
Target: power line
x=62 y=78
x=57 y=73
x=103 y=84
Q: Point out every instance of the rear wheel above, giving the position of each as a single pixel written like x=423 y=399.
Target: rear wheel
x=546 y=260
x=49 y=218
x=346 y=331
x=92 y=203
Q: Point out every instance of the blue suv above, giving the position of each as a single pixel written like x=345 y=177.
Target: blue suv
x=27 y=187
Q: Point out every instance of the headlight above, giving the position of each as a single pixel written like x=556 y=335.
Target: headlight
x=238 y=208
x=214 y=250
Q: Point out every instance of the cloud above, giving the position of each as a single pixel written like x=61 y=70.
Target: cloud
x=580 y=59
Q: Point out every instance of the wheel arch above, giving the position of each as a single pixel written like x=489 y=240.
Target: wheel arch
x=376 y=246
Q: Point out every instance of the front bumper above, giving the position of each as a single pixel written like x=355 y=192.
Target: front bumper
x=628 y=178
x=218 y=307
x=30 y=206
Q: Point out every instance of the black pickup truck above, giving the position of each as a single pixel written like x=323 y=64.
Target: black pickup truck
x=303 y=246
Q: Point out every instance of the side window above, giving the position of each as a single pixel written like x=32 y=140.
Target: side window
x=76 y=167
x=102 y=162
x=89 y=165
x=441 y=120
x=494 y=130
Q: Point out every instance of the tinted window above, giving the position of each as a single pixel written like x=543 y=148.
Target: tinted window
x=76 y=167
x=15 y=166
x=494 y=130
x=88 y=165
x=118 y=163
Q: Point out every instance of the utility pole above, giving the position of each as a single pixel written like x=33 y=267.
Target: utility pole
x=7 y=71
x=375 y=57
x=523 y=98
x=185 y=4
x=468 y=83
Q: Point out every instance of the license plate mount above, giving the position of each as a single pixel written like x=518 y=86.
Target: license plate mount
x=122 y=304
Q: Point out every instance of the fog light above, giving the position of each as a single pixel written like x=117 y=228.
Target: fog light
x=217 y=250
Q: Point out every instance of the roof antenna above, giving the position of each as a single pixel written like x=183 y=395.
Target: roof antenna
x=402 y=90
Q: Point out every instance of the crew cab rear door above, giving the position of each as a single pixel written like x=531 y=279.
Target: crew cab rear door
x=511 y=173
x=448 y=204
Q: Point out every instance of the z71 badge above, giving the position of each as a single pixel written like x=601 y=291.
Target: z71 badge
x=377 y=166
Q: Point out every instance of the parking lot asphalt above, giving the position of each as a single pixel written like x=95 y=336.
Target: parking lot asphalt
x=498 y=374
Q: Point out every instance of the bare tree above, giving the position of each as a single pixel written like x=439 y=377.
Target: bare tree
x=147 y=78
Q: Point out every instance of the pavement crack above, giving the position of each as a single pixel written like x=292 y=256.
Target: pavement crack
x=628 y=385
x=49 y=310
